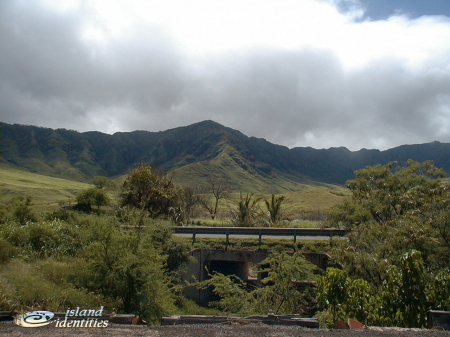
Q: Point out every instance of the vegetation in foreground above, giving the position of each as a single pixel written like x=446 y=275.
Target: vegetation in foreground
x=395 y=261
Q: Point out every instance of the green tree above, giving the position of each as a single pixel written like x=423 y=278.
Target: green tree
x=127 y=268
x=404 y=297
x=273 y=206
x=284 y=287
x=381 y=194
x=412 y=290
x=391 y=211
x=438 y=291
x=341 y=297
x=332 y=292
x=247 y=211
x=146 y=189
x=234 y=297
x=104 y=182
x=93 y=196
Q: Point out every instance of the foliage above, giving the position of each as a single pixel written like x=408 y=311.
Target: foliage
x=274 y=208
x=247 y=212
x=391 y=212
x=127 y=271
x=22 y=211
x=146 y=189
x=92 y=196
x=159 y=232
x=43 y=285
x=381 y=194
x=53 y=238
x=343 y=297
x=232 y=292
x=125 y=267
x=283 y=289
x=438 y=291
x=104 y=183
x=7 y=250
x=403 y=299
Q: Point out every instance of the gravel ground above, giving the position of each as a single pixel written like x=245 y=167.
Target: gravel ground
x=207 y=330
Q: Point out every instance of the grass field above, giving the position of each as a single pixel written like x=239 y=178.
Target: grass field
x=49 y=192
x=46 y=192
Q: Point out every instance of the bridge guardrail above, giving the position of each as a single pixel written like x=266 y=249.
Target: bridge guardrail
x=260 y=231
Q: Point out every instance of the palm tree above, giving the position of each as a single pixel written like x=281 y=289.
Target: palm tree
x=247 y=211
x=274 y=208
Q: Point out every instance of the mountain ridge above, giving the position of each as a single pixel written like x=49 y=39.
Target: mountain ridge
x=192 y=152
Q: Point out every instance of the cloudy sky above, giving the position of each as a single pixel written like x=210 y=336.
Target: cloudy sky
x=319 y=73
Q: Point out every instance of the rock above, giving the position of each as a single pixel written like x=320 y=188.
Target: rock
x=355 y=325
x=340 y=325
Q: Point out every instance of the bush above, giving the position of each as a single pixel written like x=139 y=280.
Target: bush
x=7 y=251
x=36 y=286
x=92 y=196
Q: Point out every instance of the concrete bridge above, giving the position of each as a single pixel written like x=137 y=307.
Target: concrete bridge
x=231 y=262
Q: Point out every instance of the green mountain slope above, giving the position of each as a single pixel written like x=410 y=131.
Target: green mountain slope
x=45 y=190
x=194 y=151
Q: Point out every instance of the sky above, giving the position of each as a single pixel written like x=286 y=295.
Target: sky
x=318 y=73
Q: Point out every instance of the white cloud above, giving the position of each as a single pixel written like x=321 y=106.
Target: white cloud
x=299 y=73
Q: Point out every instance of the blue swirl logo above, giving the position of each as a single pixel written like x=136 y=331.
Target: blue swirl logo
x=34 y=319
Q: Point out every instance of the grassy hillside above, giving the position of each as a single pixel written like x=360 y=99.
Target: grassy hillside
x=46 y=191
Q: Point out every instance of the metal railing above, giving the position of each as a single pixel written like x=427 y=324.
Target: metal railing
x=260 y=231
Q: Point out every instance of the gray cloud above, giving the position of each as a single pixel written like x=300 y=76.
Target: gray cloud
x=51 y=77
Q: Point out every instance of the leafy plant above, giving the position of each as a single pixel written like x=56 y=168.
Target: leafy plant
x=247 y=211
x=146 y=189
x=273 y=207
x=93 y=196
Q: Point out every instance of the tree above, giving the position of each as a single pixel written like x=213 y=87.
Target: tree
x=382 y=193
x=127 y=268
x=104 y=182
x=234 y=297
x=332 y=292
x=274 y=208
x=393 y=210
x=220 y=189
x=191 y=199
x=147 y=190
x=282 y=290
x=399 y=217
x=247 y=211
x=92 y=196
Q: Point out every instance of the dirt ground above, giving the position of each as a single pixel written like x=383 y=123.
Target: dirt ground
x=207 y=330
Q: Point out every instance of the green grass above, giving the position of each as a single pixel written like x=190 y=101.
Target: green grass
x=315 y=197
x=267 y=244
x=303 y=200
x=46 y=192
